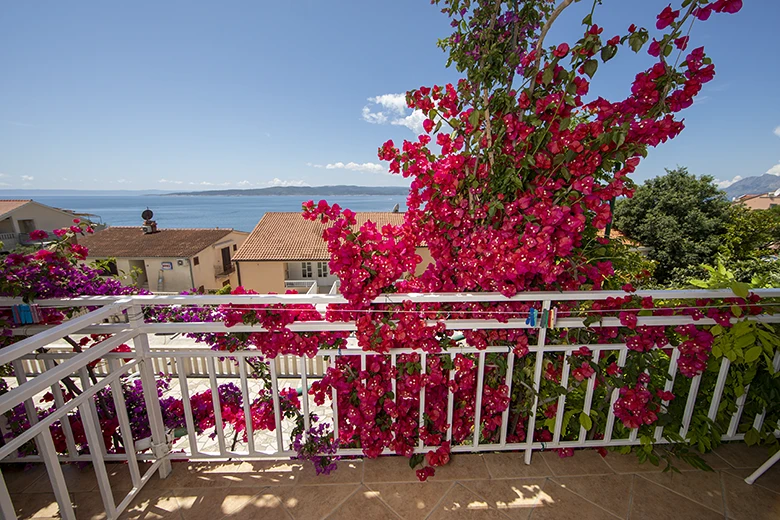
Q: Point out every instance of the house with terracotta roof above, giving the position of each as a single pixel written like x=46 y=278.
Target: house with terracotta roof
x=167 y=260
x=760 y=200
x=20 y=217
x=286 y=251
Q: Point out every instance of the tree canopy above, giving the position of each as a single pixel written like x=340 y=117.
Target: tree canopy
x=680 y=216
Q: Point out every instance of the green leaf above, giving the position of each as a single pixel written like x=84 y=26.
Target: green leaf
x=590 y=67
x=752 y=437
x=585 y=421
x=745 y=341
x=416 y=459
x=717 y=330
x=608 y=52
x=736 y=310
x=547 y=77
x=740 y=289
x=753 y=354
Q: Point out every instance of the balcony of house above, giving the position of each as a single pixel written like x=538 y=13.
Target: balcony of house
x=223 y=271
x=310 y=274
x=148 y=422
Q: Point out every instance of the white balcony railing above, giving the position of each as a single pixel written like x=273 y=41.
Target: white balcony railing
x=144 y=361
x=310 y=285
x=9 y=240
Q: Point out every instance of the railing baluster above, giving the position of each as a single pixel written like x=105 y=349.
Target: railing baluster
x=141 y=343
x=86 y=383
x=611 y=414
x=335 y=404
x=720 y=384
x=668 y=387
x=250 y=431
x=219 y=427
x=423 y=362
x=54 y=470
x=305 y=396
x=7 y=510
x=450 y=397
x=59 y=403
x=277 y=408
x=561 y=400
x=189 y=420
x=689 y=404
x=586 y=407
x=537 y=386
x=124 y=425
x=47 y=451
x=510 y=367
x=92 y=431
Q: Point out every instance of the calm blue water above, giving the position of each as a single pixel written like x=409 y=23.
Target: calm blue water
x=241 y=213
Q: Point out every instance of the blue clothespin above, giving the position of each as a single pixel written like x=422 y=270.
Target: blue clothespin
x=531 y=320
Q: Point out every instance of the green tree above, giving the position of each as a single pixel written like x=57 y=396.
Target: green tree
x=750 y=233
x=680 y=216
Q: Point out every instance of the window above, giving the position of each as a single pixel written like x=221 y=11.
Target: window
x=235 y=247
x=195 y=261
x=26 y=226
x=306 y=271
x=322 y=269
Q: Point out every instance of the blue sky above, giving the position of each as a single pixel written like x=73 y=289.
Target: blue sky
x=187 y=95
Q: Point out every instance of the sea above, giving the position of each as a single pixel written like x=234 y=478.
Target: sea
x=198 y=211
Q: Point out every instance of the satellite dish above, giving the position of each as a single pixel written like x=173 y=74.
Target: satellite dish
x=147 y=214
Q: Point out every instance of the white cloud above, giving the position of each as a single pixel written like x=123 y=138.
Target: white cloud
x=244 y=183
x=123 y=181
x=413 y=121
x=376 y=118
x=393 y=102
x=777 y=131
x=4 y=184
x=166 y=181
x=394 y=111
x=725 y=184
x=280 y=182
x=207 y=183
x=27 y=178
x=364 y=167
x=314 y=165
x=3 y=175
x=774 y=170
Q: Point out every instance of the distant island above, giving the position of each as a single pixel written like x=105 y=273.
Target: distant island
x=319 y=191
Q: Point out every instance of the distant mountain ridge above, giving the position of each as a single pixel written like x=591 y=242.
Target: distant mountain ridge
x=753 y=185
x=300 y=190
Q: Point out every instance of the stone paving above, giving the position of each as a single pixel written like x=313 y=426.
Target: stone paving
x=490 y=486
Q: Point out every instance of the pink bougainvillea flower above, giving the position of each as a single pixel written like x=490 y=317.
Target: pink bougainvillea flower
x=666 y=17
x=39 y=234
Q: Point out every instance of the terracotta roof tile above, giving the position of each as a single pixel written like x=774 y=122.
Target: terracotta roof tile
x=132 y=242
x=287 y=236
x=8 y=205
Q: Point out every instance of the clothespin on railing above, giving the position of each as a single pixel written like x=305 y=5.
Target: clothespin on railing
x=24 y=314
x=531 y=319
x=546 y=318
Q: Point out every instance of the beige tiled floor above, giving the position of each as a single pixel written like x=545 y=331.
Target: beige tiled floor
x=495 y=485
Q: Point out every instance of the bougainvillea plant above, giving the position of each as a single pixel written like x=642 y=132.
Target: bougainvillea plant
x=511 y=188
